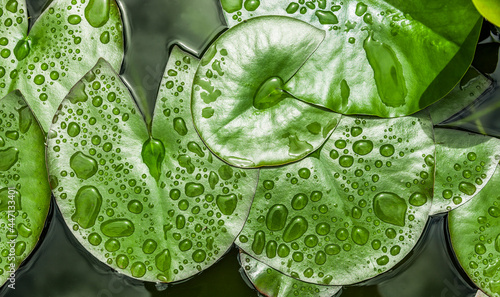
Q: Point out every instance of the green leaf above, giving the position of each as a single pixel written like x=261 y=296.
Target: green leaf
x=350 y=212
x=273 y=283
x=470 y=88
x=64 y=44
x=475 y=237
x=24 y=188
x=490 y=9
x=464 y=164
x=385 y=58
x=157 y=207
x=238 y=104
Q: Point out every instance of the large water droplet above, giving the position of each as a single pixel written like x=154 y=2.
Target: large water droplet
x=138 y=269
x=361 y=8
x=387 y=70
x=362 y=147
x=153 y=153
x=199 y=256
x=299 y=201
x=149 y=246
x=180 y=126
x=8 y=157
x=88 y=202
x=163 y=260
x=276 y=217
x=227 y=203
x=73 y=129
x=360 y=235
x=22 y=49
x=259 y=242
x=185 y=162
x=298 y=147
x=84 y=166
x=295 y=229
x=194 y=189
x=271 y=248
x=25 y=119
x=118 y=228
x=390 y=208
x=326 y=17
x=269 y=93
x=97 y=12
x=213 y=179
x=418 y=199
x=387 y=150
x=467 y=188
x=225 y=172
x=231 y=6
x=195 y=148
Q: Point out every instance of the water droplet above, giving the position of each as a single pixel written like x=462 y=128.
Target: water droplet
x=292 y=8
x=225 y=172
x=194 y=189
x=298 y=147
x=283 y=250
x=332 y=249
x=185 y=162
x=138 y=269
x=362 y=147
x=316 y=196
x=39 y=79
x=180 y=126
x=78 y=94
x=480 y=249
x=199 y=256
x=88 y=202
x=346 y=161
x=383 y=260
x=22 y=49
x=163 y=260
x=304 y=173
x=323 y=229
x=418 y=199
x=95 y=239
x=104 y=38
x=390 y=208
x=467 y=188
x=268 y=184
x=112 y=245
x=74 y=19
x=326 y=17
x=122 y=261
x=135 y=206
x=429 y=160
x=213 y=179
x=8 y=157
x=149 y=246
x=73 y=129
x=314 y=128
x=252 y=5
x=207 y=112
x=97 y=12
x=276 y=217
x=387 y=70
x=494 y=211
x=231 y=6
x=269 y=93
x=185 y=245
x=360 y=235
x=387 y=150
x=356 y=131
x=471 y=156
x=153 y=154
x=345 y=92
x=20 y=248
x=180 y=222
x=227 y=203
x=195 y=148
x=11 y=6
x=118 y=228
x=361 y=8
x=295 y=229
x=320 y=258
x=299 y=201
x=84 y=166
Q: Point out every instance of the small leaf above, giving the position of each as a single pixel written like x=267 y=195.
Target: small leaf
x=475 y=237
x=272 y=283
x=239 y=106
x=382 y=58
x=464 y=164
x=152 y=192
x=351 y=212
x=63 y=45
x=490 y=9
x=24 y=190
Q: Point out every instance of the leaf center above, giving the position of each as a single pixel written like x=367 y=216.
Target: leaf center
x=269 y=93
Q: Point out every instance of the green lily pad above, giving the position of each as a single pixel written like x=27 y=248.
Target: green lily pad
x=475 y=237
x=351 y=211
x=490 y=9
x=24 y=188
x=238 y=105
x=272 y=283
x=470 y=88
x=464 y=164
x=157 y=207
x=384 y=58
x=64 y=44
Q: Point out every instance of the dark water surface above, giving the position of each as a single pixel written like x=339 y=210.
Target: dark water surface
x=61 y=267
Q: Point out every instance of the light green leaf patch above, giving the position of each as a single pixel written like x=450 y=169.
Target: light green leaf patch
x=239 y=107
x=470 y=88
x=490 y=9
x=273 y=283
x=475 y=237
x=481 y=294
x=464 y=164
x=384 y=58
x=157 y=207
x=24 y=186
x=63 y=45
x=349 y=212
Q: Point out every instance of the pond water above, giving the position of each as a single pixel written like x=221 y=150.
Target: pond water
x=62 y=267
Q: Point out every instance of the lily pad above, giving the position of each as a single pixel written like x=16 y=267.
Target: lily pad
x=24 y=186
x=384 y=58
x=273 y=283
x=475 y=237
x=490 y=9
x=351 y=211
x=157 y=207
x=464 y=164
x=470 y=88
x=64 y=44
x=238 y=105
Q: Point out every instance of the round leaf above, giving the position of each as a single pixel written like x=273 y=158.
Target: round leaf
x=24 y=188
x=464 y=164
x=384 y=58
x=273 y=283
x=65 y=43
x=475 y=237
x=350 y=212
x=238 y=105
x=156 y=207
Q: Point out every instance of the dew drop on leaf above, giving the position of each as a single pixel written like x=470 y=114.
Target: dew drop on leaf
x=88 y=202
x=8 y=157
x=390 y=208
x=118 y=228
x=276 y=217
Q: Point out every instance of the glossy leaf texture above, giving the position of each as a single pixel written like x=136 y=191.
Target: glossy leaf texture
x=24 y=186
x=465 y=163
x=380 y=57
x=470 y=88
x=475 y=237
x=272 y=283
x=490 y=9
x=238 y=105
x=65 y=43
x=157 y=207
x=349 y=211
